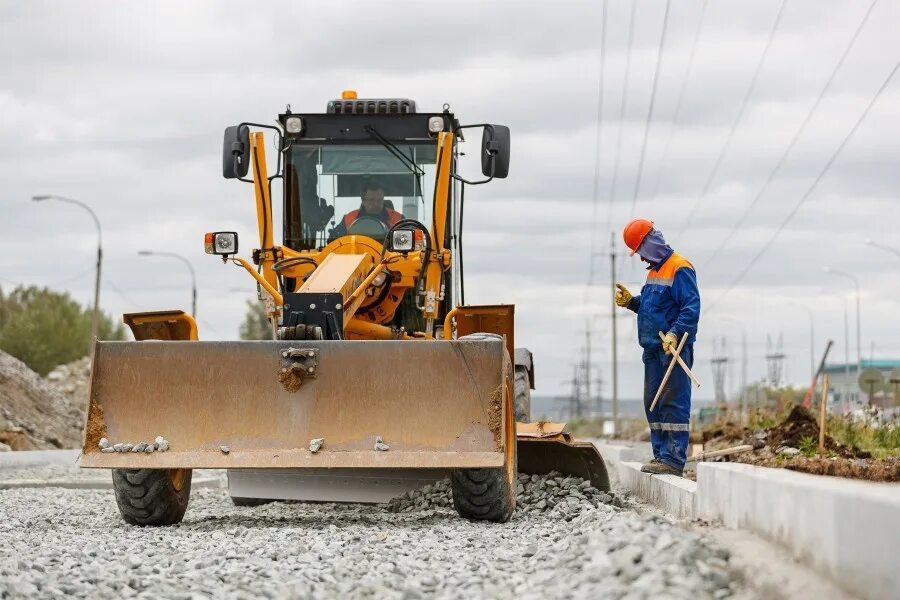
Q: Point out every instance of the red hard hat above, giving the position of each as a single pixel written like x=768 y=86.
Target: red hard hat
x=635 y=232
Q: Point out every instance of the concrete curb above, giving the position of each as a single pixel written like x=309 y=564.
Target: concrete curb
x=835 y=525
x=37 y=458
x=93 y=484
x=675 y=495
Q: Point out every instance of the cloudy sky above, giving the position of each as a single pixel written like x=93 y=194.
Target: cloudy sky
x=122 y=105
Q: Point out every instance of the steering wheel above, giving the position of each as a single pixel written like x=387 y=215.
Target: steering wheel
x=368 y=226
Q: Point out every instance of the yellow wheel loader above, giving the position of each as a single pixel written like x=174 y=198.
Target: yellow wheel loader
x=378 y=377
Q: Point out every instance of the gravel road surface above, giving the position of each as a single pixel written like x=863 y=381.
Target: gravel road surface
x=565 y=541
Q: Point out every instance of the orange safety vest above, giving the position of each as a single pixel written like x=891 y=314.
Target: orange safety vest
x=393 y=217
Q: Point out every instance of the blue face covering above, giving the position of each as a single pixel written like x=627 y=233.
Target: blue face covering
x=654 y=249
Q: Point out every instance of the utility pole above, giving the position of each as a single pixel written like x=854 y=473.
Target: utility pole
x=587 y=366
x=615 y=355
x=720 y=368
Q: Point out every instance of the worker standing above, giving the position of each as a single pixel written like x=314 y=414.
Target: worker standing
x=669 y=303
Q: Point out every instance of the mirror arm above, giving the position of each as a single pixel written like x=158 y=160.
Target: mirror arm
x=492 y=150
x=281 y=149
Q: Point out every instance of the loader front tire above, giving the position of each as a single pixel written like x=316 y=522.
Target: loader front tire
x=522 y=395
x=152 y=496
x=483 y=494
x=489 y=494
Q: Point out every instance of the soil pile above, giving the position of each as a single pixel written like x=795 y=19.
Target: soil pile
x=780 y=447
x=34 y=414
x=800 y=425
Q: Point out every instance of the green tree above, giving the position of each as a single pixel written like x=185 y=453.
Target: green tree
x=43 y=328
x=255 y=326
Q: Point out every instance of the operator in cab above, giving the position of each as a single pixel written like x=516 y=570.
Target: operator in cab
x=668 y=310
x=372 y=205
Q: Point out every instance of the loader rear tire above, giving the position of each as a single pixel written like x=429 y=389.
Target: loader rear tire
x=152 y=496
x=522 y=395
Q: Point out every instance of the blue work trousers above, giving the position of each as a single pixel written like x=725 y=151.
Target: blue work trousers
x=670 y=420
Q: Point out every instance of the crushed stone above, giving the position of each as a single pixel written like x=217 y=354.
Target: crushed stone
x=576 y=549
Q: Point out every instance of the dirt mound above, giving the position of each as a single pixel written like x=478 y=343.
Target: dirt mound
x=795 y=432
x=73 y=381
x=34 y=415
x=799 y=425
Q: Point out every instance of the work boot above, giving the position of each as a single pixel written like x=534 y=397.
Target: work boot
x=655 y=467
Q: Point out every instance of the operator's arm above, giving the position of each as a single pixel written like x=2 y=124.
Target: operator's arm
x=634 y=304
x=339 y=230
x=686 y=293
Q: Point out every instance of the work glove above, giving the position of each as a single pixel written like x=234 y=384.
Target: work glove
x=670 y=343
x=623 y=296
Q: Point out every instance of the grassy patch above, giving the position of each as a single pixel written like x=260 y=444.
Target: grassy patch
x=881 y=441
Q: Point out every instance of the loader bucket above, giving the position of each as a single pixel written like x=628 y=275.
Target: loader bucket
x=436 y=404
x=545 y=447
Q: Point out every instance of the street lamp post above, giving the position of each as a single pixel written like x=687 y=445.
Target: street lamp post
x=849 y=383
x=189 y=266
x=874 y=244
x=95 y=318
x=858 y=335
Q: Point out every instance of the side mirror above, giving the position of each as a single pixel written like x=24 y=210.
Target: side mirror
x=236 y=152
x=495 y=151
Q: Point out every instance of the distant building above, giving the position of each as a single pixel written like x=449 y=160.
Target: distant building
x=844 y=387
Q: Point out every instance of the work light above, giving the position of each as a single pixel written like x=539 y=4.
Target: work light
x=221 y=242
x=402 y=240
x=435 y=124
x=294 y=124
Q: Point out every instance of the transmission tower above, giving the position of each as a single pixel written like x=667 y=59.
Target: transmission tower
x=775 y=360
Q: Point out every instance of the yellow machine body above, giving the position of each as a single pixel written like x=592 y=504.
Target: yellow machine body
x=439 y=403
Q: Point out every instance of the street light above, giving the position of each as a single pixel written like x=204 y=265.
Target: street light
x=849 y=384
x=189 y=266
x=95 y=318
x=858 y=337
x=891 y=249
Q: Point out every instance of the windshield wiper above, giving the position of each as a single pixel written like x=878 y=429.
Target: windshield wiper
x=398 y=154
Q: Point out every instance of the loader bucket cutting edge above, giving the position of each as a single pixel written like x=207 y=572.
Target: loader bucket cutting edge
x=436 y=404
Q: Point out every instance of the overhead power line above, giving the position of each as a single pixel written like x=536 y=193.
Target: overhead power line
x=615 y=179
x=734 y=125
x=743 y=218
x=595 y=199
x=677 y=114
x=659 y=57
x=808 y=193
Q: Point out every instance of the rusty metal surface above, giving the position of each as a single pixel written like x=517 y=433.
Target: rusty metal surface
x=570 y=457
x=431 y=402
